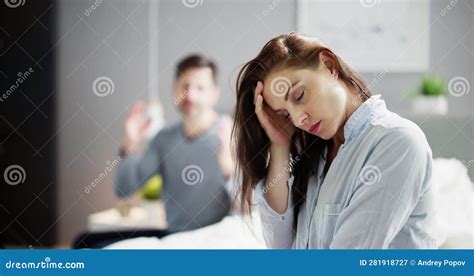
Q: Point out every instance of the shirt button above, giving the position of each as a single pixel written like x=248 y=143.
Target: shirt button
x=282 y=218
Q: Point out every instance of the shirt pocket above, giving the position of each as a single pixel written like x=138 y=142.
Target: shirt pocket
x=330 y=215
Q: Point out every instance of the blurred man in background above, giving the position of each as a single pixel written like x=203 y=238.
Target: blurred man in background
x=192 y=156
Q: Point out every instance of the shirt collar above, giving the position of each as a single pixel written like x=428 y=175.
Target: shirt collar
x=363 y=116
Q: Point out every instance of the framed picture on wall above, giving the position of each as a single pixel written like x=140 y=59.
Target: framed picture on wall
x=372 y=35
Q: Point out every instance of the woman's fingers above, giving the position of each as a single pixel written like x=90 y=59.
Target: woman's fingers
x=273 y=131
x=258 y=100
x=262 y=117
x=258 y=91
x=259 y=108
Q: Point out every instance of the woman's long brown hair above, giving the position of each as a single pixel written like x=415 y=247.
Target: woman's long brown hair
x=251 y=144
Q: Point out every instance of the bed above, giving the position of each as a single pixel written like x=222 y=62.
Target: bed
x=453 y=197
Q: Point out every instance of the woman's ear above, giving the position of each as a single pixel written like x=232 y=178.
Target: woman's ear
x=329 y=60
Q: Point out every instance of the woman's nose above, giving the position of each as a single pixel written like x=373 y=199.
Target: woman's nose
x=301 y=120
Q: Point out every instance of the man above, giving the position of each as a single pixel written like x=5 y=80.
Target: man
x=192 y=156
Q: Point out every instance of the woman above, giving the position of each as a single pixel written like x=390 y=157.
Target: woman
x=331 y=166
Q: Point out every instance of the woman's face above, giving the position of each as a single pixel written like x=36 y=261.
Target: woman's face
x=313 y=99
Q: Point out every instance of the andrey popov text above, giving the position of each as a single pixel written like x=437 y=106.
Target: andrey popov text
x=405 y=262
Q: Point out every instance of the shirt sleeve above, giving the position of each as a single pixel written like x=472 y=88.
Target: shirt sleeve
x=386 y=192
x=277 y=228
x=135 y=169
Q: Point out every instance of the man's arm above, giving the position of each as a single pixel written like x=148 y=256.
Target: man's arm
x=135 y=169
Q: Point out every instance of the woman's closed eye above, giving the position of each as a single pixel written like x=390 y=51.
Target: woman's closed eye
x=300 y=96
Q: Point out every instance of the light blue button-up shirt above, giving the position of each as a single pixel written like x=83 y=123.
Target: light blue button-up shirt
x=376 y=193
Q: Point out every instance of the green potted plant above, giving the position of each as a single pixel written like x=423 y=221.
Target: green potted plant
x=430 y=97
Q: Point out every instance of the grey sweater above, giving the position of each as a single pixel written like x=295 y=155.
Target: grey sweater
x=194 y=191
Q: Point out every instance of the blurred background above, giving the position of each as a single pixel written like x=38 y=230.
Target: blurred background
x=70 y=71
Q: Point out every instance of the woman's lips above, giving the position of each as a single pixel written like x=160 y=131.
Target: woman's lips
x=315 y=128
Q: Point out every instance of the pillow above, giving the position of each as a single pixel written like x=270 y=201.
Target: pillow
x=453 y=200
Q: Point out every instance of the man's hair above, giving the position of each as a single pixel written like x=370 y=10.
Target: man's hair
x=196 y=61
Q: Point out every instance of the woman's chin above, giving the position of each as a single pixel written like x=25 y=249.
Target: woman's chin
x=320 y=135
x=325 y=134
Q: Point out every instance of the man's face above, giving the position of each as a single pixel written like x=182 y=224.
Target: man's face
x=195 y=91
